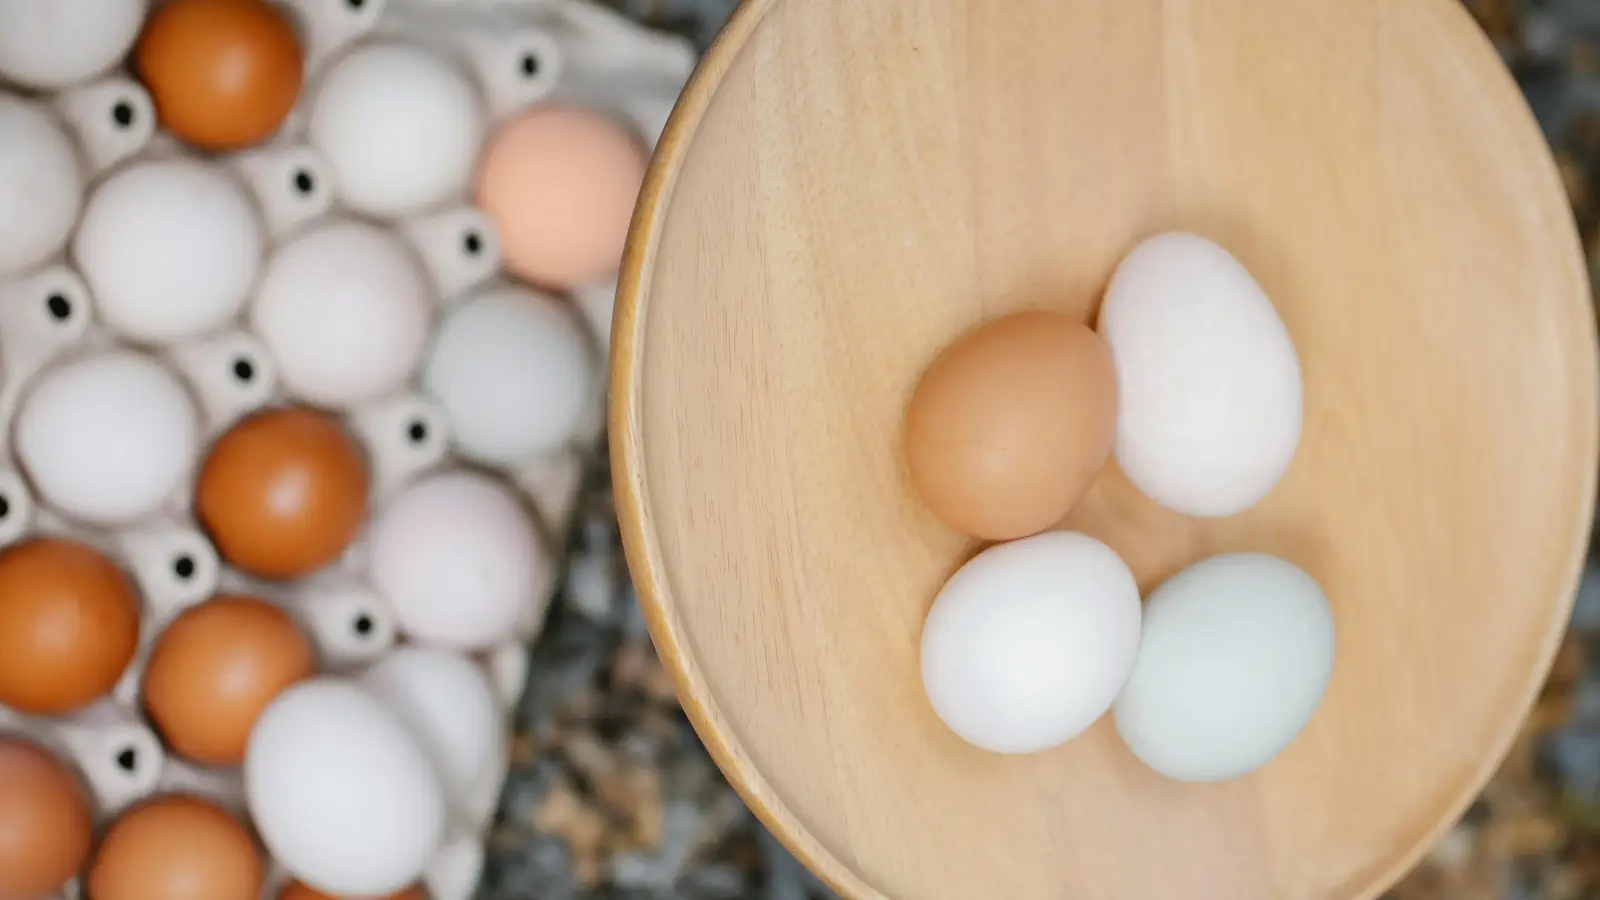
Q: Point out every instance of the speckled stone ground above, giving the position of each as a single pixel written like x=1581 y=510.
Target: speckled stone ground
x=611 y=795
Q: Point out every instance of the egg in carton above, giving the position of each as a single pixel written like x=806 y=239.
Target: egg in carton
x=175 y=569
x=520 y=54
x=523 y=55
x=225 y=376
x=176 y=297
x=527 y=51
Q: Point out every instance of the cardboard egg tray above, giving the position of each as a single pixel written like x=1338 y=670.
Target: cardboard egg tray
x=582 y=55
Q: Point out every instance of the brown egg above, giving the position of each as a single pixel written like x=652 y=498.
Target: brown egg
x=297 y=891
x=224 y=74
x=45 y=821
x=283 y=493
x=1011 y=424
x=215 y=669
x=176 y=848
x=69 y=625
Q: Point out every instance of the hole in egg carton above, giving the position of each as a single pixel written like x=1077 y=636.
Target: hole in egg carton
x=173 y=563
x=113 y=118
x=120 y=757
x=514 y=69
x=42 y=316
x=404 y=436
x=459 y=248
x=154 y=555
x=16 y=507
x=329 y=26
x=615 y=64
x=602 y=39
x=347 y=619
x=600 y=58
x=231 y=374
x=292 y=185
x=590 y=37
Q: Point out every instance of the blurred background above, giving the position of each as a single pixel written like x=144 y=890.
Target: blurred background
x=611 y=795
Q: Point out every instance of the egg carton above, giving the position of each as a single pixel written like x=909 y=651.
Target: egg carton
x=519 y=53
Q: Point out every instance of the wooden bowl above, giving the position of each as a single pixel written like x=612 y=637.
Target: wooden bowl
x=847 y=186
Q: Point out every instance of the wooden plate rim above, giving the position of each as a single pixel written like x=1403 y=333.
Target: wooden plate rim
x=627 y=460
x=648 y=571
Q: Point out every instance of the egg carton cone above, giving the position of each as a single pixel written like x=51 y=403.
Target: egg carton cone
x=87 y=137
x=529 y=51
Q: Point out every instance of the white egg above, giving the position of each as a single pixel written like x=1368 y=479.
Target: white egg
x=108 y=439
x=515 y=373
x=449 y=706
x=341 y=793
x=400 y=127
x=1236 y=655
x=1029 y=642
x=460 y=560
x=52 y=44
x=1208 y=380
x=170 y=249
x=41 y=185
x=345 y=310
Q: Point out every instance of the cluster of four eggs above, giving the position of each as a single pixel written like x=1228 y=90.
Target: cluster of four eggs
x=1192 y=382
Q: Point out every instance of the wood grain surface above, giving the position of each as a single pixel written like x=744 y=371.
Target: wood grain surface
x=848 y=185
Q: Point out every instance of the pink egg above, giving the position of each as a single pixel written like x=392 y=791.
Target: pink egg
x=560 y=185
